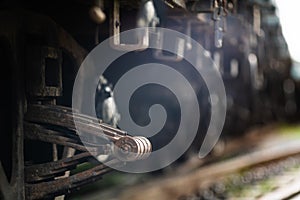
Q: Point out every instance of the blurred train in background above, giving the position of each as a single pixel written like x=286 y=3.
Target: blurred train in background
x=245 y=41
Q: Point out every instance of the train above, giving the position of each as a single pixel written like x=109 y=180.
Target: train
x=44 y=43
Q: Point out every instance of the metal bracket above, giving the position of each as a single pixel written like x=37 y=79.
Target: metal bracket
x=179 y=45
x=115 y=40
x=219 y=14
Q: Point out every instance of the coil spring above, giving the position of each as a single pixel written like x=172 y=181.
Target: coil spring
x=132 y=148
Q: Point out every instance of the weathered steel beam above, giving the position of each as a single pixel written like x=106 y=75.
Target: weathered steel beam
x=38 y=132
x=49 y=170
x=64 y=117
x=65 y=185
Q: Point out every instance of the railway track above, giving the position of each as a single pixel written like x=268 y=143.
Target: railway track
x=271 y=170
x=271 y=181
x=287 y=189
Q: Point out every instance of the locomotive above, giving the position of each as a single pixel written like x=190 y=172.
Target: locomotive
x=43 y=45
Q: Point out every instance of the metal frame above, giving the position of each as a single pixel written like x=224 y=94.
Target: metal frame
x=115 y=26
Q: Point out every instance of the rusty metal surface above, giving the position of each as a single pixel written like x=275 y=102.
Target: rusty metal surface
x=36 y=44
x=63 y=116
x=14 y=186
x=46 y=171
x=55 y=124
x=65 y=185
x=50 y=124
x=40 y=60
x=40 y=117
x=38 y=132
